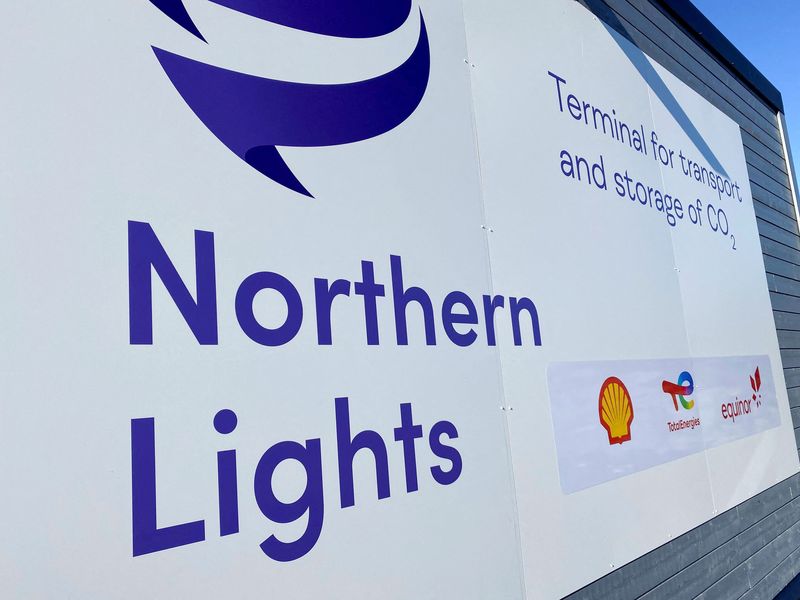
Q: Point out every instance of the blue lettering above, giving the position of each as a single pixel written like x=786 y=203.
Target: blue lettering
x=147 y=536
x=348 y=447
x=446 y=452
x=402 y=298
x=145 y=253
x=449 y=318
x=408 y=433
x=247 y=319
x=225 y=422
x=311 y=501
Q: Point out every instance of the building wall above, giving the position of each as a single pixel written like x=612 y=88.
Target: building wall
x=751 y=551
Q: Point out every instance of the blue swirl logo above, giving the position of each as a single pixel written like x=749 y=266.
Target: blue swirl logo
x=253 y=115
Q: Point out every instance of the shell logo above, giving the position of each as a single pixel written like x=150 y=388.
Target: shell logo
x=616 y=410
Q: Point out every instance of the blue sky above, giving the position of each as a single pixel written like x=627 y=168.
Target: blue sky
x=767 y=32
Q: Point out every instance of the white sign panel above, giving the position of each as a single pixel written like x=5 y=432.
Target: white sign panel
x=624 y=195
x=324 y=300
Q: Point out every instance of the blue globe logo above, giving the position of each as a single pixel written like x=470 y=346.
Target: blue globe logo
x=253 y=116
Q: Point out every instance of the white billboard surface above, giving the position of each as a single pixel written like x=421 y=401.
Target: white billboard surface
x=444 y=300
x=625 y=195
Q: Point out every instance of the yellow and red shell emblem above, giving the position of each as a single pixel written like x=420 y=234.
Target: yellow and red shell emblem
x=616 y=410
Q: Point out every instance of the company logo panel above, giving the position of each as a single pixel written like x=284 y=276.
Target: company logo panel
x=714 y=403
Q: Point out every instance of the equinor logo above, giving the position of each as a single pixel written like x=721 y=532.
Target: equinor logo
x=253 y=115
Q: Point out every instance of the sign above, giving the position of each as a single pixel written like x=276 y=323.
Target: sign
x=717 y=401
x=329 y=301
x=625 y=195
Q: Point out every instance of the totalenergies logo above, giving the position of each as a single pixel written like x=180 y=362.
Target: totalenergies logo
x=679 y=391
x=616 y=410
x=254 y=115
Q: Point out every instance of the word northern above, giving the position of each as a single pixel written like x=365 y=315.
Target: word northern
x=148 y=537
x=459 y=313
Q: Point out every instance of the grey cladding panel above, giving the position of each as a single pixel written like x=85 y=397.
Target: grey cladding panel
x=732 y=585
x=770 y=169
x=780 y=267
x=777 y=234
x=764 y=197
x=776 y=580
x=778 y=250
x=781 y=190
x=779 y=284
x=791 y=358
x=765 y=152
x=789 y=340
x=776 y=217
